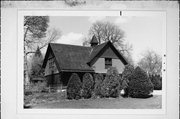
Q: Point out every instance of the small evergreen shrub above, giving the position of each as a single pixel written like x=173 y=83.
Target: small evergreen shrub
x=140 y=86
x=157 y=81
x=112 y=71
x=87 y=86
x=126 y=77
x=126 y=74
x=110 y=86
x=98 y=82
x=74 y=87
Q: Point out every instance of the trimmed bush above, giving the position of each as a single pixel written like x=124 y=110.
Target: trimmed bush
x=140 y=86
x=74 y=87
x=126 y=74
x=112 y=71
x=157 y=81
x=98 y=82
x=87 y=86
x=110 y=86
x=126 y=77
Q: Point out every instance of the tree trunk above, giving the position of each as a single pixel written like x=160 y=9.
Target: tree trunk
x=26 y=74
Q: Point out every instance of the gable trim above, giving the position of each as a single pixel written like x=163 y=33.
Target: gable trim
x=97 y=56
x=121 y=57
x=109 y=44
x=49 y=50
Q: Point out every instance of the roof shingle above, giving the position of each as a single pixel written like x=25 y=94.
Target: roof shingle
x=71 y=57
x=96 y=50
x=75 y=58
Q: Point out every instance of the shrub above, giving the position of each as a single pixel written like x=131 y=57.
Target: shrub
x=36 y=88
x=98 y=82
x=126 y=74
x=157 y=81
x=87 y=86
x=140 y=85
x=112 y=71
x=74 y=87
x=126 y=77
x=110 y=85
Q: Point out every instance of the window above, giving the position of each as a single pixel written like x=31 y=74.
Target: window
x=51 y=64
x=108 y=63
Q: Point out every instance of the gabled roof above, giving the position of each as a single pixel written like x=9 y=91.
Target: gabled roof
x=100 y=49
x=78 y=58
x=70 y=57
x=96 y=50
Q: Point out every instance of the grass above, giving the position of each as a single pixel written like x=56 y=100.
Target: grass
x=43 y=98
x=104 y=103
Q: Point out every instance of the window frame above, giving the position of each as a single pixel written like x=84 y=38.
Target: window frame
x=108 y=62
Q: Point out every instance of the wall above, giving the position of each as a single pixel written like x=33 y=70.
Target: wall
x=53 y=80
x=99 y=65
x=48 y=70
x=118 y=64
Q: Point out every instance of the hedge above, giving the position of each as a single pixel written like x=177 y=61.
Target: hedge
x=110 y=86
x=87 y=86
x=126 y=77
x=157 y=81
x=126 y=74
x=140 y=85
x=98 y=83
x=74 y=87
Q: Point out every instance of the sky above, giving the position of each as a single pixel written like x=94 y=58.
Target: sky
x=142 y=32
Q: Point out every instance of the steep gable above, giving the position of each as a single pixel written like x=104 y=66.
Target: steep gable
x=70 y=57
x=94 y=52
x=109 y=53
x=80 y=58
x=102 y=49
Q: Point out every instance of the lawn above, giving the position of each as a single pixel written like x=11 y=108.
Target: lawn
x=104 y=103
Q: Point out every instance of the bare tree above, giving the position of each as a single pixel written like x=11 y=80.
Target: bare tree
x=86 y=41
x=107 y=31
x=51 y=36
x=97 y=30
x=36 y=35
x=34 y=29
x=151 y=62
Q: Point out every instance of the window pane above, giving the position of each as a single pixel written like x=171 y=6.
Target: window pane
x=108 y=62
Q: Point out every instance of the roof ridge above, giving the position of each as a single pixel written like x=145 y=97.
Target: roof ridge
x=100 y=44
x=77 y=45
x=69 y=45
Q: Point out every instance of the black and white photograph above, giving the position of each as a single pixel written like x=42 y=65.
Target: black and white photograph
x=98 y=62
x=90 y=59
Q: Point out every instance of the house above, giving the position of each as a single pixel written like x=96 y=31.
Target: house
x=61 y=60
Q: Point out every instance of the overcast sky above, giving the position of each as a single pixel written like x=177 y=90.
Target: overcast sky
x=143 y=32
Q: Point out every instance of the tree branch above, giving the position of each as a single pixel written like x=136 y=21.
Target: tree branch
x=26 y=33
x=30 y=52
